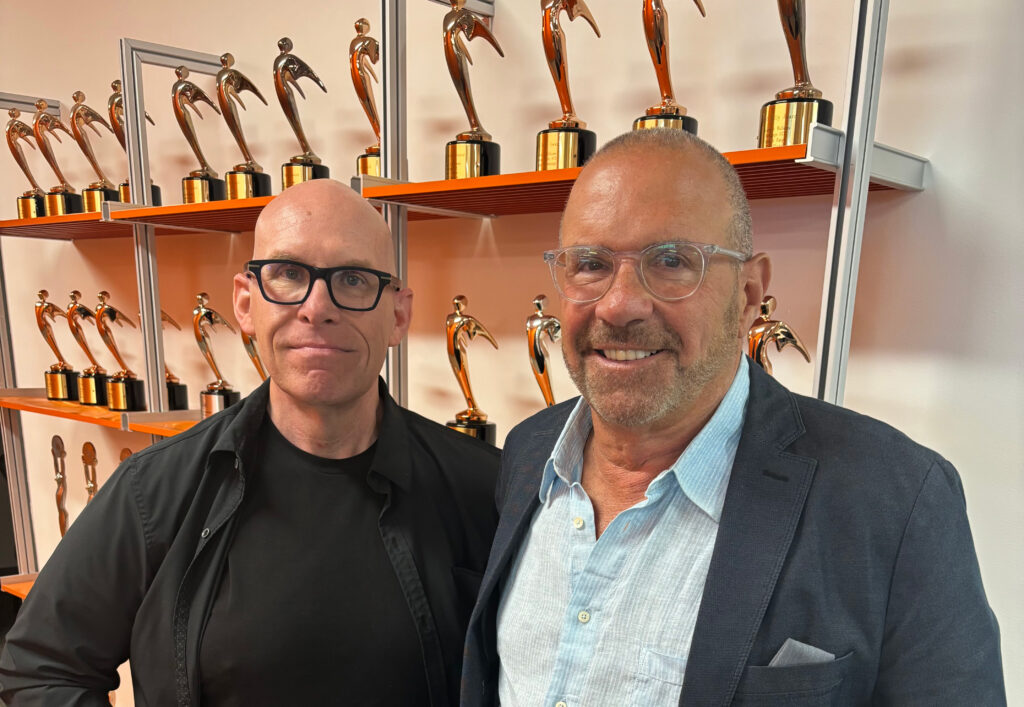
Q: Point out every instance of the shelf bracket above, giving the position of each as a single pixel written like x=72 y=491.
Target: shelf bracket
x=889 y=166
x=107 y=209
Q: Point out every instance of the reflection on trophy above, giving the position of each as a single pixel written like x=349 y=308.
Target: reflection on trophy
x=81 y=116
x=177 y=392
x=62 y=199
x=767 y=330
x=566 y=143
x=115 y=109
x=538 y=325
x=61 y=379
x=247 y=179
x=363 y=52
x=30 y=203
x=787 y=120
x=59 y=475
x=89 y=465
x=125 y=392
x=218 y=394
x=249 y=343
x=92 y=383
x=461 y=328
x=668 y=113
x=288 y=69
x=472 y=153
x=201 y=184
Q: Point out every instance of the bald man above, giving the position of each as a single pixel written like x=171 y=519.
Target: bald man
x=314 y=544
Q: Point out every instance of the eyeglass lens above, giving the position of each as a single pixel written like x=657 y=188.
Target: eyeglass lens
x=670 y=270
x=288 y=283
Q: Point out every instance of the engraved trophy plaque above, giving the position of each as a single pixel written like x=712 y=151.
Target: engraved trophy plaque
x=461 y=328
x=62 y=199
x=201 y=184
x=767 y=330
x=472 y=153
x=92 y=383
x=177 y=392
x=115 y=109
x=288 y=69
x=102 y=189
x=125 y=392
x=668 y=113
x=567 y=142
x=539 y=325
x=218 y=394
x=89 y=466
x=247 y=179
x=61 y=379
x=31 y=204
x=787 y=120
x=249 y=344
x=61 y=478
x=363 y=52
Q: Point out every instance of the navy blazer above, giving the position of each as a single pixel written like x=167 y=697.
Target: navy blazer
x=837 y=531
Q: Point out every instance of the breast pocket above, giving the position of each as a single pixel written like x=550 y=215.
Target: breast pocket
x=817 y=685
x=659 y=678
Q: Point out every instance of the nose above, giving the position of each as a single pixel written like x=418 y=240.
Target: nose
x=318 y=307
x=627 y=300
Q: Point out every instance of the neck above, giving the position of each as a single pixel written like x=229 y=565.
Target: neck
x=327 y=431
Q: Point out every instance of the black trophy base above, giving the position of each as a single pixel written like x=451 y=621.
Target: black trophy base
x=563 y=148
x=484 y=431
x=92 y=389
x=787 y=121
x=61 y=385
x=93 y=198
x=62 y=202
x=126 y=395
x=213 y=401
x=246 y=185
x=198 y=190
x=465 y=159
x=294 y=173
x=177 y=396
x=672 y=122
x=368 y=164
x=124 y=193
x=30 y=206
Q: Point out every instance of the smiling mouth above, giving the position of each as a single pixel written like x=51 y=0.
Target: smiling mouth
x=626 y=354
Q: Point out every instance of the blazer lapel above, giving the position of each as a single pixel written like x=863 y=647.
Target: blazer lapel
x=765 y=498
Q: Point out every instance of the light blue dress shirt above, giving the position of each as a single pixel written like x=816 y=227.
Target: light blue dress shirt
x=587 y=622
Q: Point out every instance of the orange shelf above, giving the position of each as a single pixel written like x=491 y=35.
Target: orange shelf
x=66 y=227
x=162 y=429
x=70 y=411
x=236 y=215
x=18 y=585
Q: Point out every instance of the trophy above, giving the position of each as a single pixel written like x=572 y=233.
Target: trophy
x=472 y=153
x=364 y=51
x=767 y=330
x=125 y=453
x=288 y=69
x=218 y=394
x=31 y=202
x=668 y=113
x=787 y=120
x=249 y=343
x=62 y=199
x=566 y=143
x=247 y=179
x=201 y=184
x=81 y=116
x=57 y=450
x=89 y=465
x=177 y=392
x=115 y=109
x=92 y=383
x=125 y=392
x=61 y=379
x=537 y=325
x=461 y=327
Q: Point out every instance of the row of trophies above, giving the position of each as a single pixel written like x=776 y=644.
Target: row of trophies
x=566 y=143
x=61 y=478
x=123 y=391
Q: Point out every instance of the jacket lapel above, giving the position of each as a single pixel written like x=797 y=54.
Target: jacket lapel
x=763 y=504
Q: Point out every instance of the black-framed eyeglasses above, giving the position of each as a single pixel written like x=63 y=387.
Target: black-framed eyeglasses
x=351 y=287
x=670 y=271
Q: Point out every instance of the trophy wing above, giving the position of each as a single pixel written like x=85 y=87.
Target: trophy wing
x=301 y=69
x=90 y=117
x=120 y=317
x=216 y=318
x=479 y=29
x=785 y=336
x=164 y=316
x=21 y=131
x=700 y=6
x=198 y=94
x=244 y=84
x=479 y=329
x=578 y=8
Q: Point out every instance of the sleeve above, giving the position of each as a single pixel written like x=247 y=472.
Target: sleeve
x=74 y=628
x=941 y=641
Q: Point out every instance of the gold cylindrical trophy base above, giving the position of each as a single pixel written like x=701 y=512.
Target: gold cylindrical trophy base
x=788 y=121
x=124 y=194
x=465 y=159
x=246 y=185
x=198 y=190
x=672 y=122
x=563 y=148
x=92 y=389
x=126 y=395
x=61 y=385
x=31 y=206
x=213 y=401
x=294 y=173
x=368 y=164
x=93 y=198
x=62 y=202
x=484 y=431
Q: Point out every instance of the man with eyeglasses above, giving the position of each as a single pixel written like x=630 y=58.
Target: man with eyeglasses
x=315 y=544
x=690 y=532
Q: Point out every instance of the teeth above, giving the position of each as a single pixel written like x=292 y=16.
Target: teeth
x=626 y=354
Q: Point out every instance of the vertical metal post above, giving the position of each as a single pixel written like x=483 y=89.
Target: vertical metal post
x=850 y=201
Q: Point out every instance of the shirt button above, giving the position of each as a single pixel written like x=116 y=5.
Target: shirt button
x=561 y=704
x=583 y=616
x=577 y=523
x=205 y=533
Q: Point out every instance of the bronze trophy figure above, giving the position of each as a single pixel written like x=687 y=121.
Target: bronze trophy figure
x=83 y=116
x=60 y=476
x=62 y=199
x=472 y=153
x=787 y=120
x=567 y=142
x=460 y=328
x=288 y=69
x=89 y=466
x=125 y=453
x=115 y=109
x=201 y=184
x=31 y=203
x=177 y=392
x=92 y=383
x=125 y=392
x=767 y=330
x=61 y=379
x=218 y=394
x=363 y=52
x=538 y=325
x=249 y=344
x=668 y=113
x=247 y=179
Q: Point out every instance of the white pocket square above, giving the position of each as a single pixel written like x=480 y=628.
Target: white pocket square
x=796 y=653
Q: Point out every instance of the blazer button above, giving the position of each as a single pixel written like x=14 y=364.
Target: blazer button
x=205 y=533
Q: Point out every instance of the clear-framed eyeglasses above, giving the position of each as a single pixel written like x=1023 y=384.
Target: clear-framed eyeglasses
x=354 y=288
x=669 y=271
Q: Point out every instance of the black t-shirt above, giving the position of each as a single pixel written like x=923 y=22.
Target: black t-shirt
x=309 y=610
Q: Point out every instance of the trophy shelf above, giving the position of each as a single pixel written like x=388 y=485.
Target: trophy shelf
x=18 y=584
x=34 y=400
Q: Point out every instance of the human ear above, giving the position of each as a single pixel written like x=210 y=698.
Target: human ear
x=242 y=301
x=403 y=316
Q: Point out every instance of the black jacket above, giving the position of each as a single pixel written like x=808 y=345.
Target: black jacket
x=136 y=575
